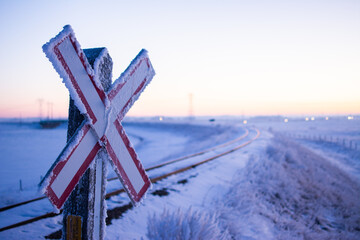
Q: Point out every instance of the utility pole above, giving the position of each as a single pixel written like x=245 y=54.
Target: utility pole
x=191 y=108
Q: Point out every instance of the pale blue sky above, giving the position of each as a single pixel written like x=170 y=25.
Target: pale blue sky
x=235 y=57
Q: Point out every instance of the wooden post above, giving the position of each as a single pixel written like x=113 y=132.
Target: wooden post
x=85 y=206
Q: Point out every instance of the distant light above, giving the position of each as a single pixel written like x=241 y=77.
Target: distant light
x=312 y=118
x=286 y=120
x=306 y=119
x=350 y=118
x=326 y=118
x=161 y=118
x=245 y=122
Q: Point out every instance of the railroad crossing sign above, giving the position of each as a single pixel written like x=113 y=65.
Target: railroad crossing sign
x=102 y=128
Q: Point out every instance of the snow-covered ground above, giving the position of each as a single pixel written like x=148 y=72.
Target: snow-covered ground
x=287 y=184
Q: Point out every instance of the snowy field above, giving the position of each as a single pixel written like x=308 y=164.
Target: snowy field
x=298 y=180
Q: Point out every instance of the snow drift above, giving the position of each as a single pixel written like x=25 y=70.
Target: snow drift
x=291 y=193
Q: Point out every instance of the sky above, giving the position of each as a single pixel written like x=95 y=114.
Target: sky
x=233 y=57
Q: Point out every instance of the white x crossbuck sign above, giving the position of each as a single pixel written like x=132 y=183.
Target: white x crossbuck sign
x=102 y=127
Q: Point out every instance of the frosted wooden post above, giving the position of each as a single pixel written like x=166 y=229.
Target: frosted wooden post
x=88 y=198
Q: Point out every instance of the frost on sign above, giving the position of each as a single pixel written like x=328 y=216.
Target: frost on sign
x=102 y=127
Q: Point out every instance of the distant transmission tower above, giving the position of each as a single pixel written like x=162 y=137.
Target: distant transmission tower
x=50 y=110
x=191 y=108
x=41 y=101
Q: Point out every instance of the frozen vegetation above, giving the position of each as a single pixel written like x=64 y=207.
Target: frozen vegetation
x=289 y=192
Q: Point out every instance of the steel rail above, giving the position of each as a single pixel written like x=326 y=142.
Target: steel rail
x=156 y=179
x=148 y=169
x=153 y=180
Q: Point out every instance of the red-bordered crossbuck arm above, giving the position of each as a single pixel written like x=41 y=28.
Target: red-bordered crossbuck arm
x=71 y=165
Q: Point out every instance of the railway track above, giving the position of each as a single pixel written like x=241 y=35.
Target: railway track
x=176 y=166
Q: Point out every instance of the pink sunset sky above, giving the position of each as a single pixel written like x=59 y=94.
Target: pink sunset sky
x=232 y=57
